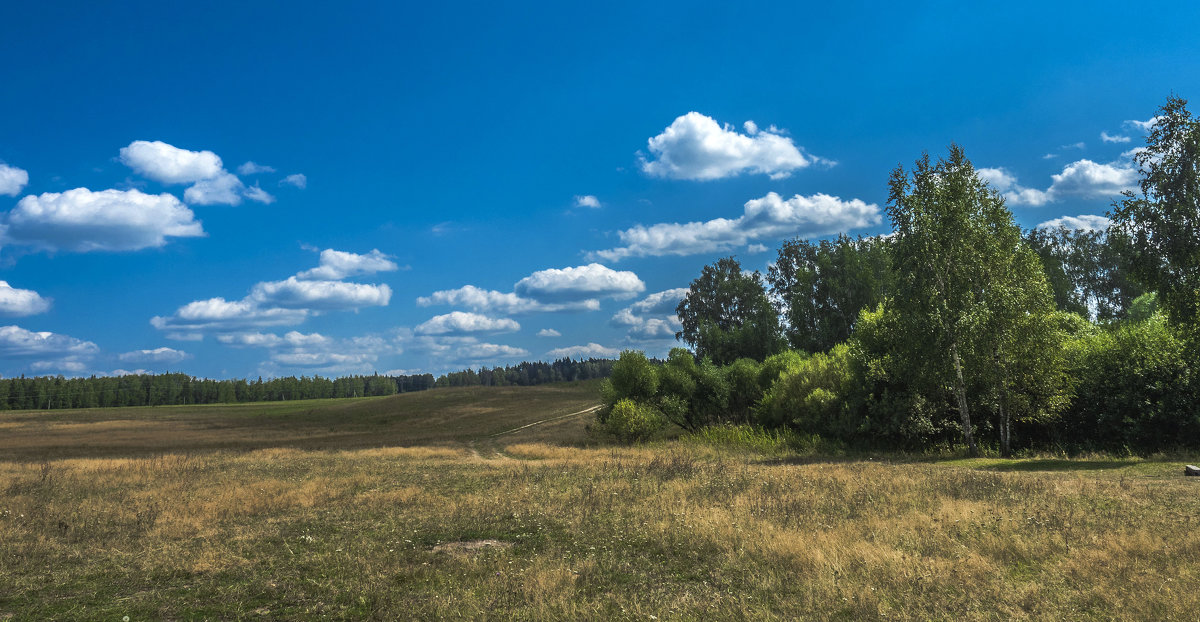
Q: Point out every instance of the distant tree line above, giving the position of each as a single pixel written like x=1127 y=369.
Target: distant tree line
x=52 y=392
x=958 y=327
x=526 y=374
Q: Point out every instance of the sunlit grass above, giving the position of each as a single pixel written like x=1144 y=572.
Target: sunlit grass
x=730 y=527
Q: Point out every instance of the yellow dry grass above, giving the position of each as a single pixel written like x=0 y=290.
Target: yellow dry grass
x=673 y=531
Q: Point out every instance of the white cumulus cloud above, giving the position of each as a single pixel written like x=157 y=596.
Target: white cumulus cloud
x=1087 y=222
x=652 y=317
x=587 y=200
x=12 y=179
x=224 y=189
x=169 y=164
x=17 y=342
x=81 y=220
x=502 y=303
x=252 y=168
x=220 y=315
x=460 y=323
x=548 y=332
x=20 y=302
x=591 y=350
x=294 y=293
x=579 y=283
x=297 y=180
x=157 y=355
x=770 y=217
x=696 y=147
x=1082 y=178
x=336 y=265
x=1108 y=138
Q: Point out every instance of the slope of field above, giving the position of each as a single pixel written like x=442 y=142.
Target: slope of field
x=423 y=507
x=421 y=418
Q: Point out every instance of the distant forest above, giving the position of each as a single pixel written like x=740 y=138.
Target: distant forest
x=54 y=392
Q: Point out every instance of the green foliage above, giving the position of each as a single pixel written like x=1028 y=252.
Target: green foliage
x=972 y=296
x=693 y=395
x=744 y=388
x=767 y=441
x=726 y=315
x=1087 y=271
x=778 y=364
x=893 y=407
x=633 y=377
x=1144 y=307
x=821 y=287
x=631 y=421
x=1161 y=225
x=812 y=398
x=1134 y=389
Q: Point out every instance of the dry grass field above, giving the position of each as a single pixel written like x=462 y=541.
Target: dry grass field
x=412 y=507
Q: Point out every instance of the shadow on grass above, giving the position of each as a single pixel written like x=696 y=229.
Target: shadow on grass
x=1052 y=465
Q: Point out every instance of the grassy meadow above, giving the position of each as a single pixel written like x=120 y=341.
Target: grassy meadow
x=441 y=504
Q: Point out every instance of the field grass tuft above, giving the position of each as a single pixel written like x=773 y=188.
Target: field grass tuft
x=428 y=516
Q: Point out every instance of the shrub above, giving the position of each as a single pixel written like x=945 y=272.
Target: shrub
x=1134 y=389
x=813 y=397
x=630 y=421
x=633 y=377
x=744 y=389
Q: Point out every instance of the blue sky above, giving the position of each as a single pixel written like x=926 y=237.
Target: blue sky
x=244 y=189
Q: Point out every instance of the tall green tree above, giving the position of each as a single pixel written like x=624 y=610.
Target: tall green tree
x=726 y=315
x=1087 y=270
x=1161 y=225
x=820 y=287
x=967 y=286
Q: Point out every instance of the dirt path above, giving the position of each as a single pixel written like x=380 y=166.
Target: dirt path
x=493 y=447
x=530 y=425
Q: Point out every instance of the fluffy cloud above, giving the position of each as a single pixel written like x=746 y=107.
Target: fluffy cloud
x=12 y=179
x=220 y=315
x=17 y=342
x=251 y=168
x=1087 y=222
x=587 y=200
x=1106 y=137
x=297 y=180
x=211 y=183
x=579 y=283
x=294 y=293
x=316 y=353
x=1082 y=178
x=548 y=332
x=770 y=217
x=502 y=303
x=254 y=193
x=282 y=303
x=169 y=164
x=660 y=302
x=459 y=323
x=695 y=146
x=591 y=350
x=652 y=317
x=224 y=188
x=1143 y=126
x=340 y=264
x=81 y=220
x=20 y=302
x=473 y=352
x=1090 y=180
x=157 y=355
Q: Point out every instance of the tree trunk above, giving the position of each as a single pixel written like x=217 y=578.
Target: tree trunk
x=960 y=391
x=1005 y=433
